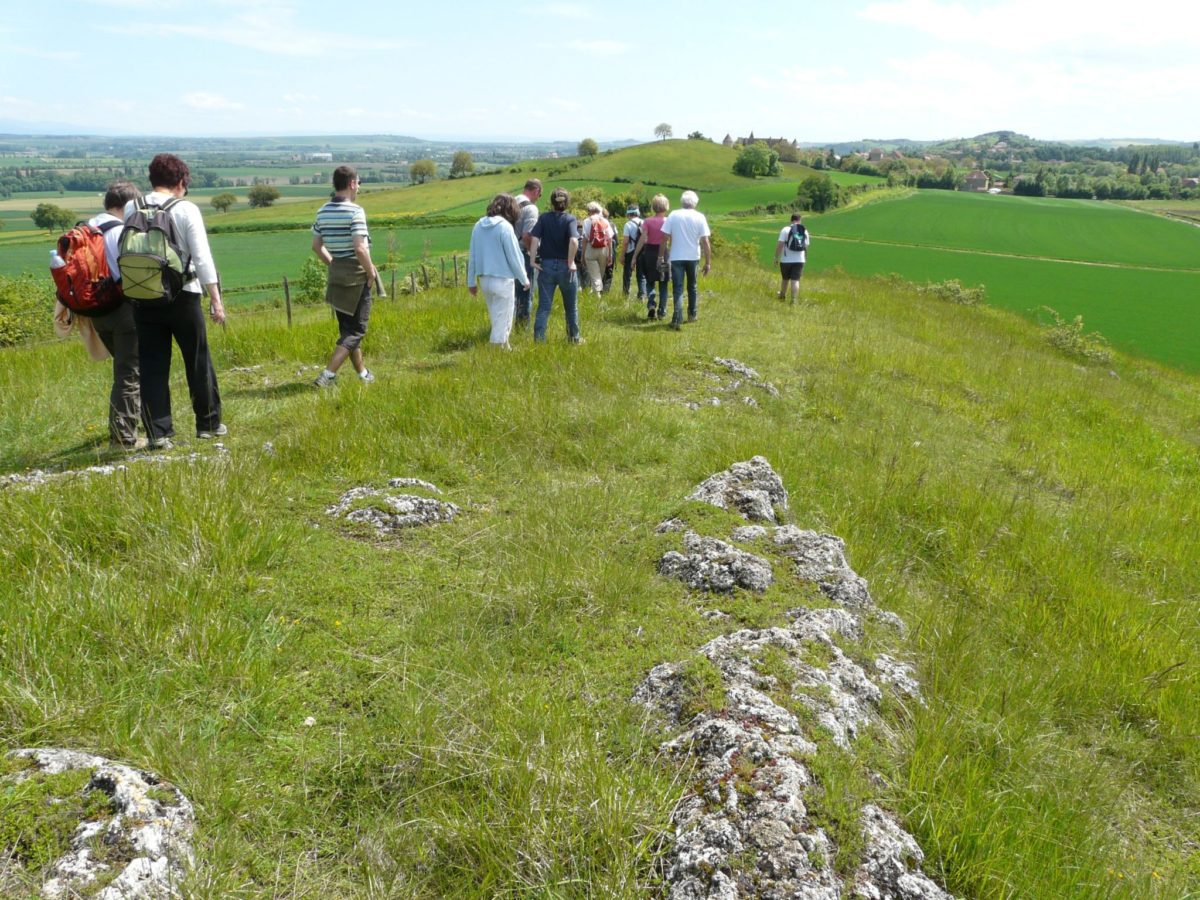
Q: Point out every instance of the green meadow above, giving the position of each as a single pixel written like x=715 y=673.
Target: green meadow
x=448 y=713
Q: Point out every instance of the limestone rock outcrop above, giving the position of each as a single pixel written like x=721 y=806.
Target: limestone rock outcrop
x=140 y=848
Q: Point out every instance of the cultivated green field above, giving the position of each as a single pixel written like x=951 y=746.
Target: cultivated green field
x=1087 y=230
x=449 y=715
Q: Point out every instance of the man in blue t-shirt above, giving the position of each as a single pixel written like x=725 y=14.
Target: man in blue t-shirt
x=554 y=241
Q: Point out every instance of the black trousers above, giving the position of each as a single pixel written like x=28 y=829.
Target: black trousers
x=182 y=321
x=648 y=266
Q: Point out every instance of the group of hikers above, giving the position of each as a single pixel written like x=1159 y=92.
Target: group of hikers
x=512 y=242
x=153 y=250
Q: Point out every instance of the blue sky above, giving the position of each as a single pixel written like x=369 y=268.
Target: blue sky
x=463 y=70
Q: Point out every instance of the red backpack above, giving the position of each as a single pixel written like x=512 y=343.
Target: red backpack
x=84 y=284
x=599 y=234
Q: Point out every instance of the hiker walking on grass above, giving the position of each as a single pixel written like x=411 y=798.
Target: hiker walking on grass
x=653 y=266
x=597 y=246
x=555 y=239
x=685 y=238
x=630 y=236
x=112 y=333
x=790 y=255
x=176 y=315
x=527 y=216
x=341 y=241
x=495 y=260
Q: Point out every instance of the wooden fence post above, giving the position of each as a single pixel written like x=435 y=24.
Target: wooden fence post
x=442 y=260
x=413 y=278
x=287 y=300
x=393 y=284
x=424 y=276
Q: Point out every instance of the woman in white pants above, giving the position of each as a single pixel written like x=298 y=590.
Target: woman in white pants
x=495 y=263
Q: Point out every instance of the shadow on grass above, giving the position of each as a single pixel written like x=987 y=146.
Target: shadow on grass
x=275 y=391
x=458 y=341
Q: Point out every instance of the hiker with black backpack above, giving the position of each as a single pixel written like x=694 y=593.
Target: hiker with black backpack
x=165 y=260
x=629 y=243
x=87 y=277
x=790 y=255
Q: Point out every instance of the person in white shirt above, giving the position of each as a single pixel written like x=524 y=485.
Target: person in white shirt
x=789 y=260
x=685 y=239
x=181 y=318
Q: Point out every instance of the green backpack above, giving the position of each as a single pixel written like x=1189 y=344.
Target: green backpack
x=153 y=266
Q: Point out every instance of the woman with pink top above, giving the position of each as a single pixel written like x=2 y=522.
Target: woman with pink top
x=648 y=261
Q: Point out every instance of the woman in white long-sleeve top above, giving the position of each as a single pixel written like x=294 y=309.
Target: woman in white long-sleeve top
x=496 y=264
x=180 y=318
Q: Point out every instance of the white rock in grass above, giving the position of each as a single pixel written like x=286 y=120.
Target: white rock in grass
x=713 y=565
x=392 y=512
x=149 y=832
x=751 y=488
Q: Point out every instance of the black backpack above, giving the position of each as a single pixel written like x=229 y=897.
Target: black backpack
x=797 y=238
x=154 y=267
x=637 y=235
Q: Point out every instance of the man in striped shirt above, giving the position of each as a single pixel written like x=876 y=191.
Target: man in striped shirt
x=341 y=242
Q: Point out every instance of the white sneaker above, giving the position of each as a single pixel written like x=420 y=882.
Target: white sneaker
x=219 y=431
x=325 y=379
x=365 y=376
x=162 y=443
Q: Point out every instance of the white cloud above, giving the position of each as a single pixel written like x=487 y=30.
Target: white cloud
x=210 y=102
x=599 y=47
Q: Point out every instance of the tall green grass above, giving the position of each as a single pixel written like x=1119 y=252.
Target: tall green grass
x=1029 y=517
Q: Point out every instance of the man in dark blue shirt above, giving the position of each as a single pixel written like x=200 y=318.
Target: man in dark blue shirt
x=555 y=238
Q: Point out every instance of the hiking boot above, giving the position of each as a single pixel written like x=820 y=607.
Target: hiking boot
x=162 y=443
x=325 y=379
x=129 y=446
x=220 y=431
x=365 y=376
x=651 y=315
x=691 y=318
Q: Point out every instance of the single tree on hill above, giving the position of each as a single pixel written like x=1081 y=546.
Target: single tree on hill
x=422 y=170
x=51 y=217
x=222 y=202
x=588 y=147
x=463 y=164
x=662 y=131
x=695 y=136
x=262 y=195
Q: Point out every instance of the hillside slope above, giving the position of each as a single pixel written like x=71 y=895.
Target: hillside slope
x=448 y=712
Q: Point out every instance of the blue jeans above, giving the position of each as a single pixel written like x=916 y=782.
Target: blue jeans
x=679 y=268
x=555 y=274
x=524 y=298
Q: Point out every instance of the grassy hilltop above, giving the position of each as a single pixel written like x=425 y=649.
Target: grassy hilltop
x=449 y=715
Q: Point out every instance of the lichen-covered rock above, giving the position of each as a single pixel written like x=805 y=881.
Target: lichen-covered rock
x=744 y=829
x=751 y=488
x=821 y=558
x=743 y=370
x=748 y=533
x=146 y=840
x=389 y=513
x=891 y=863
x=713 y=565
